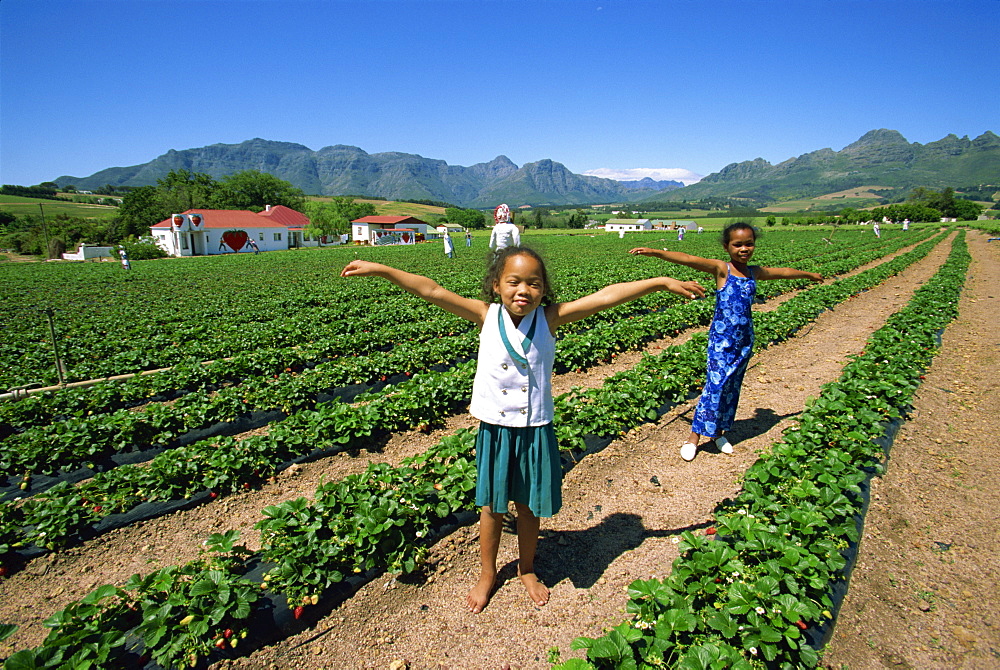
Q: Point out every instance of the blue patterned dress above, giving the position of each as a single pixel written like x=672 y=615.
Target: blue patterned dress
x=730 y=343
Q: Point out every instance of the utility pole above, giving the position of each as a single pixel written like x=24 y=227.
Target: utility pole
x=45 y=230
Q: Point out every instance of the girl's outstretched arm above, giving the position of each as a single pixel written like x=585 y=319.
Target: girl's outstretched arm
x=422 y=287
x=785 y=273
x=617 y=294
x=712 y=266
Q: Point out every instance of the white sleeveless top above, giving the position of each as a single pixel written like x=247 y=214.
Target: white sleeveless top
x=514 y=387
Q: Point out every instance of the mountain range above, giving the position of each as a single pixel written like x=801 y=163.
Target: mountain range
x=348 y=170
x=880 y=157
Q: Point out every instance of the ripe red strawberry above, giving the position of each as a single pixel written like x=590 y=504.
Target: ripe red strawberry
x=97 y=509
x=297 y=612
x=710 y=530
x=3 y=571
x=213 y=495
x=802 y=624
x=228 y=633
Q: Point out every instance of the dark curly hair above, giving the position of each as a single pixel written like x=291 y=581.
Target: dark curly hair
x=728 y=231
x=499 y=261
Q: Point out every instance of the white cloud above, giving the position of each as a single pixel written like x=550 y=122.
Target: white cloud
x=659 y=174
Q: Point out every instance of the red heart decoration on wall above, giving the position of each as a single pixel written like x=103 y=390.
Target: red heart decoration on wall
x=235 y=239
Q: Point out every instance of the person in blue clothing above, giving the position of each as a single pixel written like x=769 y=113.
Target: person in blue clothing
x=517 y=457
x=730 y=337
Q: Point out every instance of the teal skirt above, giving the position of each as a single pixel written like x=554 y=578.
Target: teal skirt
x=520 y=465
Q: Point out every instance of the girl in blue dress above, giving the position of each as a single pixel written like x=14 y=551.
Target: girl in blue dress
x=517 y=457
x=730 y=337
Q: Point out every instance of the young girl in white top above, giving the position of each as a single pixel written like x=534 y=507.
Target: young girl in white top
x=517 y=457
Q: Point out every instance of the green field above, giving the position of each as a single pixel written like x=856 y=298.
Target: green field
x=19 y=206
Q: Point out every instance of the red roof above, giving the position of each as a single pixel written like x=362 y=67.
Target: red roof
x=237 y=218
x=388 y=220
x=287 y=216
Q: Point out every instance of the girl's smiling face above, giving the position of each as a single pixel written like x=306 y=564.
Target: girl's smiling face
x=741 y=245
x=521 y=286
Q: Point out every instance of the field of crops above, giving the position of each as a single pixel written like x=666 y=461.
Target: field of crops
x=19 y=206
x=327 y=364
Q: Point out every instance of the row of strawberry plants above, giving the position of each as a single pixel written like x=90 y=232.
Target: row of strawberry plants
x=380 y=519
x=80 y=441
x=55 y=517
x=85 y=441
x=58 y=516
x=291 y=530
x=747 y=593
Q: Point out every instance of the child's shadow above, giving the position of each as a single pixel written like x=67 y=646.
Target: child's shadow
x=583 y=556
x=763 y=420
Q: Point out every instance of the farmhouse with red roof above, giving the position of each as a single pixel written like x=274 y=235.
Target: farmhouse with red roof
x=205 y=232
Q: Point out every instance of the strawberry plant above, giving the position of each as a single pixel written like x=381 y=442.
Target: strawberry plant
x=187 y=609
x=745 y=596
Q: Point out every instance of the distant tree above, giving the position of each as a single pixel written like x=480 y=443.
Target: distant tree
x=140 y=209
x=944 y=202
x=334 y=217
x=253 y=190
x=181 y=190
x=577 y=220
x=49 y=185
x=772 y=220
x=966 y=210
x=467 y=218
x=69 y=188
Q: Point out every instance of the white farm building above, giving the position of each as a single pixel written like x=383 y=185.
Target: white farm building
x=207 y=232
x=627 y=225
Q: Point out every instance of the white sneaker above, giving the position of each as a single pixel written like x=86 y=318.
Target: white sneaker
x=723 y=444
x=688 y=450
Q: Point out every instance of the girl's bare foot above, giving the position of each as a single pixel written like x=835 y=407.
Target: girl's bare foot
x=538 y=592
x=480 y=593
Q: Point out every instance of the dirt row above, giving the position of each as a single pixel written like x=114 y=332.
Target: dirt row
x=624 y=509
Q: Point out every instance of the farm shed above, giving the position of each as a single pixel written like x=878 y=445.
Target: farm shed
x=86 y=252
x=207 y=232
x=372 y=229
x=628 y=225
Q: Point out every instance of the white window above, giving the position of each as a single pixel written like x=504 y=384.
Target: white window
x=260 y=237
x=277 y=237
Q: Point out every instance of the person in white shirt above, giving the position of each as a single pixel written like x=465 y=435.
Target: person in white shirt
x=505 y=233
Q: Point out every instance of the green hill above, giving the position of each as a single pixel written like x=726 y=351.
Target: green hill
x=881 y=157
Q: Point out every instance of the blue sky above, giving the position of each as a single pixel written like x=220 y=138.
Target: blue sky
x=594 y=84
